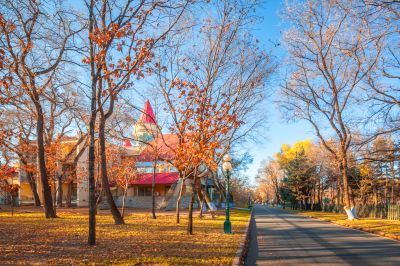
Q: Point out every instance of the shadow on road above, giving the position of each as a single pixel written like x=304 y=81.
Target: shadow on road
x=282 y=238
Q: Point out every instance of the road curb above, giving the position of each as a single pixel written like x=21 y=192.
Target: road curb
x=244 y=244
x=374 y=232
x=367 y=230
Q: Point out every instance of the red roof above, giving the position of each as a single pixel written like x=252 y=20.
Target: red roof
x=161 y=178
x=163 y=145
x=128 y=143
x=147 y=115
x=7 y=170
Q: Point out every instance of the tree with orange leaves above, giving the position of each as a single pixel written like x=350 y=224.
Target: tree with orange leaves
x=202 y=120
x=7 y=187
x=213 y=92
x=35 y=41
x=121 y=39
x=122 y=170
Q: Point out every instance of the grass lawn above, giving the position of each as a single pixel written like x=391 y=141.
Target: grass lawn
x=371 y=224
x=28 y=238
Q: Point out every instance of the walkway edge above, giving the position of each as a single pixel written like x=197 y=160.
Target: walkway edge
x=367 y=230
x=359 y=228
x=244 y=244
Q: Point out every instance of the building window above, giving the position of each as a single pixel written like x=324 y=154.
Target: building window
x=144 y=191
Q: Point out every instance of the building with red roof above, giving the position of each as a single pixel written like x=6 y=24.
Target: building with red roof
x=152 y=152
x=149 y=150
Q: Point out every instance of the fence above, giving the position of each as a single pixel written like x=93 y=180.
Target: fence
x=393 y=212
x=380 y=211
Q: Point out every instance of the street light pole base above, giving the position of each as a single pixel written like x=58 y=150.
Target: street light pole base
x=227 y=227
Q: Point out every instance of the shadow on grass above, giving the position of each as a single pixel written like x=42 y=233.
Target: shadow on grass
x=142 y=240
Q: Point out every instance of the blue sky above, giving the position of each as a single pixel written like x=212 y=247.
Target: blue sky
x=278 y=130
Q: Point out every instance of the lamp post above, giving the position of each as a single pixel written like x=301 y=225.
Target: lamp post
x=227 y=169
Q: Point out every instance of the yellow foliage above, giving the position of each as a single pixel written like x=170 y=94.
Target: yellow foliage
x=288 y=152
x=365 y=170
x=66 y=147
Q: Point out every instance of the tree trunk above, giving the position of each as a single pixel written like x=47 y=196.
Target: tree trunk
x=338 y=192
x=178 y=201
x=55 y=194
x=123 y=201
x=153 y=186
x=386 y=192
x=59 y=190
x=312 y=198
x=92 y=183
x=393 y=175
x=200 y=198
x=352 y=197
x=375 y=199
x=277 y=194
x=202 y=202
x=104 y=176
x=46 y=190
x=347 y=201
x=99 y=198
x=32 y=184
x=392 y=199
x=12 y=205
x=320 y=191
x=208 y=201
x=68 y=199
x=190 y=214
x=92 y=123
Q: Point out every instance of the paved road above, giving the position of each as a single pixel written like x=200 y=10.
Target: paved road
x=281 y=238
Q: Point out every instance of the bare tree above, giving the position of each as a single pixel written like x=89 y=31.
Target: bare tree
x=18 y=122
x=270 y=175
x=383 y=90
x=329 y=57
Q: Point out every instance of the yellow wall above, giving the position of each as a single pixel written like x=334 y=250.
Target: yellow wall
x=25 y=192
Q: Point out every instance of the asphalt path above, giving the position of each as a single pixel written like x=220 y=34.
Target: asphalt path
x=282 y=238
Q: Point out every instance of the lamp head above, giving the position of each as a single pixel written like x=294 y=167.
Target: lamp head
x=227 y=158
x=227 y=167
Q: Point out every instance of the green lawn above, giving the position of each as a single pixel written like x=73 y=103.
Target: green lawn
x=29 y=238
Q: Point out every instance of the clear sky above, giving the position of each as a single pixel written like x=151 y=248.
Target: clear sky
x=278 y=130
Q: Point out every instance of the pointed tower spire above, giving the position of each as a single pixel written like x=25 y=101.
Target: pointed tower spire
x=147 y=115
x=128 y=143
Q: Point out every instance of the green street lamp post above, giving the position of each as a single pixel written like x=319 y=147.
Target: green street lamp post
x=227 y=169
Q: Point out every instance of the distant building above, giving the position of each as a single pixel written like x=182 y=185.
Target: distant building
x=149 y=148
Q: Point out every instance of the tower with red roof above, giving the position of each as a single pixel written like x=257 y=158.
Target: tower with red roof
x=145 y=129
